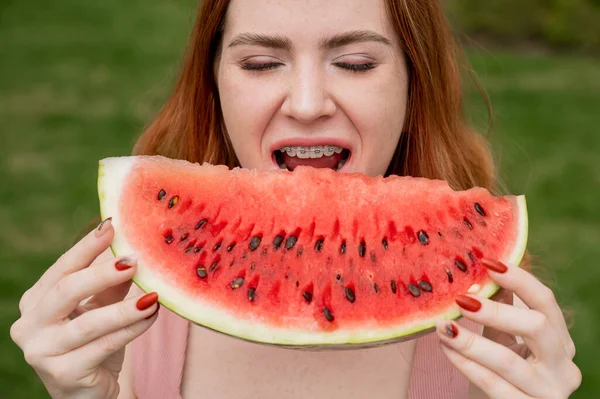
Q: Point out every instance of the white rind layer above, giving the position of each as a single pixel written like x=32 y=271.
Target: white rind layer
x=112 y=176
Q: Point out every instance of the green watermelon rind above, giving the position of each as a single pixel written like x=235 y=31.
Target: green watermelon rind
x=112 y=174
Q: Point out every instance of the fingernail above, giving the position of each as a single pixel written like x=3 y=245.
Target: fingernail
x=146 y=301
x=103 y=227
x=450 y=330
x=494 y=265
x=153 y=313
x=469 y=303
x=125 y=263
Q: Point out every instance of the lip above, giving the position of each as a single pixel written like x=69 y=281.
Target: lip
x=309 y=142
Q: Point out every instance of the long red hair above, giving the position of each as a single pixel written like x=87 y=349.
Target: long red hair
x=437 y=143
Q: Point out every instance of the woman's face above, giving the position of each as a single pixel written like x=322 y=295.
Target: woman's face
x=312 y=82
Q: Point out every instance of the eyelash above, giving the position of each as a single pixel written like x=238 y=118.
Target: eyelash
x=268 y=66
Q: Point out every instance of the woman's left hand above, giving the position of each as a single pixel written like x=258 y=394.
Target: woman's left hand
x=542 y=367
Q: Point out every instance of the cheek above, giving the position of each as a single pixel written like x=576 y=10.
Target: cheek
x=247 y=106
x=378 y=111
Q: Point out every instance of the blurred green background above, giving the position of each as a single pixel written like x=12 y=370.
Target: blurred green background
x=79 y=79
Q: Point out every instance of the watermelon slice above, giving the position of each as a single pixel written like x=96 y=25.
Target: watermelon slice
x=309 y=258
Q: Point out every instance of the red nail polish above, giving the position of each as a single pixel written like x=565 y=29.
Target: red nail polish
x=469 y=303
x=146 y=301
x=494 y=265
x=450 y=330
x=124 y=264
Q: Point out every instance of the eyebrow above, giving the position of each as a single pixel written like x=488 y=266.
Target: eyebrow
x=283 y=43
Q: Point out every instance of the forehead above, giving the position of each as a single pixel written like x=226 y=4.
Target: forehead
x=306 y=19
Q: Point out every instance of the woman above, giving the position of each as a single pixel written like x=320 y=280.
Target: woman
x=380 y=80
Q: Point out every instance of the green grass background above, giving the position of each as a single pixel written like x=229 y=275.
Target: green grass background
x=79 y=79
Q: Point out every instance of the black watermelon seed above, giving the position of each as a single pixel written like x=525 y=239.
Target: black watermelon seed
x=439 y=234
x=237 y=283
x=252 y=266
x=297 y=283
x=338 y=277
x=213 y=266
x=450 y=278
x=230 y=247
x=184 y=237
x=218 y=245
x=277 y=241
x=173 y=201
x=161 y=194
x=414 y=290
x=469 y=225
x=328 y=314
x=254 y=243
x=479 y=209
x=319 y=245
x=169 y=239
x=393 y=285
x=376 y=288
x=290 y=242
x=362 y=248
x=425 y=286
x=201 y=223
x=343 y=247
x=384 y=242
x=423 y=237
x=461 y=265
x=300 y=252
x=188 y=249
x=251 y=294
x=198 y=249
x=471 y=256
x=201 y=272
x=307 y=296
x=350 y=294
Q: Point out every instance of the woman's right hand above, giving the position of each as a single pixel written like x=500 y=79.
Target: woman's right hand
x=75 y=321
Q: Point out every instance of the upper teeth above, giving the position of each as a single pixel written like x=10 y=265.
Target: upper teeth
x=312 y=152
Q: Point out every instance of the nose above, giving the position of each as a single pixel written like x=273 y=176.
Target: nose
x=308 y=98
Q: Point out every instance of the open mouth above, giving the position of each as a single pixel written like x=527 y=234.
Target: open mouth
x=321 y=156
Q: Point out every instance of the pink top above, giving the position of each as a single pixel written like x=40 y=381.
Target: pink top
x=158 y=360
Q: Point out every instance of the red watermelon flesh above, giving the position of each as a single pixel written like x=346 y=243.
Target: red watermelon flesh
x=310 y=257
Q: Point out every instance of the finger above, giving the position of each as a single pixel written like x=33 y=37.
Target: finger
x=105 y=320
x=532 y=325
x=95 y=352
x=494 y=357
x=489 y=382
x=78 y=257
x=107 y=297
x=534 y=294
x=507 y=297
x=66 y=295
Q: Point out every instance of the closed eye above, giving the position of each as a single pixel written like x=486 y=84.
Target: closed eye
x=356 y=67
x=260 y=67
